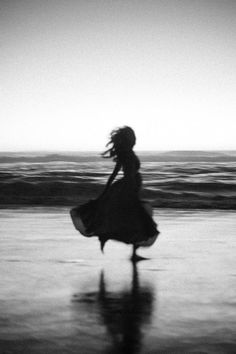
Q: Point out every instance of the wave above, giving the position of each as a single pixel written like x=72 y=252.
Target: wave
x=200 y=185
x=156 y=156
x=181 y=195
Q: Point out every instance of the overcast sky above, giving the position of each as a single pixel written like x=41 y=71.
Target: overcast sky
x=70 y=71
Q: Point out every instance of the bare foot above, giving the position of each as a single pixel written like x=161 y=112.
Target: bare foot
x=136 y=258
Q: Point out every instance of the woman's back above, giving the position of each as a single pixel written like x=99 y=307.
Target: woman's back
x=130 y=163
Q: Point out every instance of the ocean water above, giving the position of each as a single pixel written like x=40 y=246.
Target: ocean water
x=190 y=180
x=60 y=294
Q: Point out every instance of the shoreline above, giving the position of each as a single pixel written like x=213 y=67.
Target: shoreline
x=69 y=205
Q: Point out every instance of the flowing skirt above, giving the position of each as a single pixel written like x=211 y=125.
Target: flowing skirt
x=119 y=215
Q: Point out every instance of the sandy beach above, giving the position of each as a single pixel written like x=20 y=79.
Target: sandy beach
x=60 y=294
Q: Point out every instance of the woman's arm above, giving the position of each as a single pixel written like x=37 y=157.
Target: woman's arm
x=112 y=177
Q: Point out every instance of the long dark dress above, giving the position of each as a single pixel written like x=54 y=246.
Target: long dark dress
x=119 y=214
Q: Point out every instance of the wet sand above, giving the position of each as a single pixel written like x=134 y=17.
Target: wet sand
x=59 y=294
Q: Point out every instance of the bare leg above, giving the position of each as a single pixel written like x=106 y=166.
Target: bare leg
x=134 y=251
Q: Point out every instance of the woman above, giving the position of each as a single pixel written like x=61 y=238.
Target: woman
x=118 y=213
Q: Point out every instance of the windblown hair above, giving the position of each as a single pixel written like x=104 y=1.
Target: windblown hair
x=122 y=140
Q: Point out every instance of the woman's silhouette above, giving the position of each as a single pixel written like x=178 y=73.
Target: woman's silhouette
x=118 y=213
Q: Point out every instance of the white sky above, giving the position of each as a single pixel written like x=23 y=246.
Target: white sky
x=70 y=71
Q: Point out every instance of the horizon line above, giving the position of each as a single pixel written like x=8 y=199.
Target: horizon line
x=97 y=151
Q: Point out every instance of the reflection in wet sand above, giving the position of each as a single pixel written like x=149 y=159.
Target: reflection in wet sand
x=42 y=264
x=123 y=313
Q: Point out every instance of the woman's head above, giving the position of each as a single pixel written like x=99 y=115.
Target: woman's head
x=122 y=140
